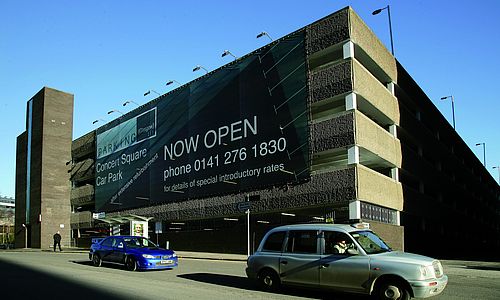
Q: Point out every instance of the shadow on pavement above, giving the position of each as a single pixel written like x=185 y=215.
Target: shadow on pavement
x=82 y=262
x=115 y=266
x=247 y=284
x=104 y=265
x=484 y=268
x=19 y=282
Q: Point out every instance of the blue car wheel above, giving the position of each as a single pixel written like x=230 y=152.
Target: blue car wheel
x=96 y=260
x=131 y=263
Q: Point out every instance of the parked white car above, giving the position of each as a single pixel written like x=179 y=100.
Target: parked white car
x=349 y=258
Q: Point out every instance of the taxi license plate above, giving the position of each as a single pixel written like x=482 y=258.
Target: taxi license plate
x=166 y=262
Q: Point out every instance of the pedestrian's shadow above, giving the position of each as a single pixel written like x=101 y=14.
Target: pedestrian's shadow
x=247 y=284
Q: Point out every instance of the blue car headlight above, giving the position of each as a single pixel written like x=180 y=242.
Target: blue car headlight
x=148 y=256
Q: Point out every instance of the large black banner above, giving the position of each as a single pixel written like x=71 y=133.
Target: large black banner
x=241 y=128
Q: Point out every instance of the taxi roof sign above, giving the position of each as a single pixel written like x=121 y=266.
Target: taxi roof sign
x=362 y=225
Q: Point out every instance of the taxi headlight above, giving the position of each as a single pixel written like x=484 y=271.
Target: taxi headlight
x=427 y=272
x=174 y=255
x=148 y=256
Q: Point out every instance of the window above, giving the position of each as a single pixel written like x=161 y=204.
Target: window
x=337 y=243
x=302 y=242
x=378 y=213
x=370 y=242
x=108 y=242
x=274 y=242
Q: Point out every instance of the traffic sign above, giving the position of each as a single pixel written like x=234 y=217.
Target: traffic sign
x=244 y=206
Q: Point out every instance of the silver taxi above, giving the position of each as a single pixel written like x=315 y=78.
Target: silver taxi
x=349 y=258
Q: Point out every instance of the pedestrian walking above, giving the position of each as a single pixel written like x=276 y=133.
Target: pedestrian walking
x=57 y=241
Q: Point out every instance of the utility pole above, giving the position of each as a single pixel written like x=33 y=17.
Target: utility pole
x=248 y=228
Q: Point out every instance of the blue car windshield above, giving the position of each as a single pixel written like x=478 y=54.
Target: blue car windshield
x=370 y=242
x=139 y=242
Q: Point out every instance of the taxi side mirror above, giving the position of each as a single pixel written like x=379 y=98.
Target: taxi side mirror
x=120 y=245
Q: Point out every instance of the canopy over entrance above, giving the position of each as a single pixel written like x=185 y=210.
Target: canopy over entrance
x=124 y=219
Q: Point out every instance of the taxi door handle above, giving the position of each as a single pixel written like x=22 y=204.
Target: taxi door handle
x=324 y=266
x=284 y=262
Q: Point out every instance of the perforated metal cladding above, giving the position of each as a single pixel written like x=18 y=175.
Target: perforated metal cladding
x=333 y=187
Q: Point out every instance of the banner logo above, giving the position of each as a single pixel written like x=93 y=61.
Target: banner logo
x=127 y=133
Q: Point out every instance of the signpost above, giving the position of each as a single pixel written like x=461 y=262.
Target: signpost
x=245 y=207
x=158 y=230
x=99 y=215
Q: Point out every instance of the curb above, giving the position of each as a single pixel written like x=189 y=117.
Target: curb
x=211 y=258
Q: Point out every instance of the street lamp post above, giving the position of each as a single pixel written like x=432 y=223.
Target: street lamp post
x=115 y=110
x=263 y=33
x=498 y=168
x=452 y=108
x=98 y=120
x=198 y=67
x=172 y=81
x=130 y=101
x=484 y=152
x=376 y=12
x=149 y=92
x=25 y=236
x=227 y=52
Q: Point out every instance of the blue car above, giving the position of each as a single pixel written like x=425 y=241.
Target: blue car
x=134 y=252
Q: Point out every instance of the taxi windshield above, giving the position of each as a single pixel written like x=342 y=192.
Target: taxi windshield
x=370 y=242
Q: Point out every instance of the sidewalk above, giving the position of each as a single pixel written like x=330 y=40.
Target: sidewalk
x=212 y=256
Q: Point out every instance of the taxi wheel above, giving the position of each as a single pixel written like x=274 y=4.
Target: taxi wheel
x=96 y=260
x=130 y=263
x=268 y=280
x=393 y=291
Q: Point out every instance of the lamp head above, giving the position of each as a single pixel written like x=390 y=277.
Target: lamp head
x=169 y=82
x=377 y=11
x=263 y=33
x=196 y=68
x=110 y=112
x=95 y=121
x=147 y=93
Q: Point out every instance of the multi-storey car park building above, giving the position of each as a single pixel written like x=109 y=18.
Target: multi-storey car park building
x=321 y=125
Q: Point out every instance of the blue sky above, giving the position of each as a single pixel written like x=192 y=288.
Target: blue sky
x=107 y=52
